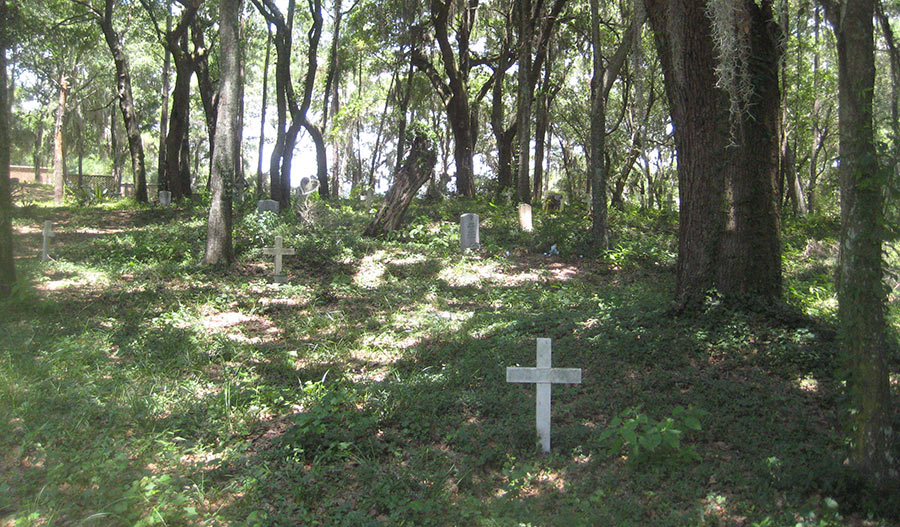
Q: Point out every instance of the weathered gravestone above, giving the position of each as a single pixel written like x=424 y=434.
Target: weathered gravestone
x=468 y=231
x=266 y=205
x=525 y=217
x=279 y=251
x=47 y=234
x=126 y=189
x=543 y=376
x=308 y=185
x=165 y=198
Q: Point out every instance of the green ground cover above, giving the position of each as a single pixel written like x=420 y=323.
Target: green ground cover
x=139 y=388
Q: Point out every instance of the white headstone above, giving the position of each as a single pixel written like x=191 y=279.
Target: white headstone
x=279 y=250
x=543 y=376
x=266 y=205
x=525 y=217
x=48 y=233
x=165 y=198
x=468 y=231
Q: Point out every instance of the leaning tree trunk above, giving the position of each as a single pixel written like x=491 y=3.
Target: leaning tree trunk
x=861 y=294
x=416 y=171
x=219 y=248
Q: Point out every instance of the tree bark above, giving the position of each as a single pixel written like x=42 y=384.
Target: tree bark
x=208 y=95
x=523 y=101
x=177 y=171
x=161 y=177
x=262 y=119
x=7 y=261
x=416 y=171
x=219 y=248
x=717 y=227
x=331 y=103
x=751 y=263
x=861 y=294
x=59 y=162
x=126 y=101
x=300 y=114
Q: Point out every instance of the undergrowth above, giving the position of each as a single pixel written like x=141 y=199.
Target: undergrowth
x=139 y=388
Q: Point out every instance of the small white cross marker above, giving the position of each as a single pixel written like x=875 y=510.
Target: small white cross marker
x=544 y=376
x=48 y=233
x=279 y=250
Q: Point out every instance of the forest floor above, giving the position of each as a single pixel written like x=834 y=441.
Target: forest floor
x=138 y=387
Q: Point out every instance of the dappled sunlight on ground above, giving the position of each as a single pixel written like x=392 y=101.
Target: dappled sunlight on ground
x=74 y=278
x=241 y=327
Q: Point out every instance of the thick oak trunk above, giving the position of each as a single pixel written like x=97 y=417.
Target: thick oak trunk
x=725 y=180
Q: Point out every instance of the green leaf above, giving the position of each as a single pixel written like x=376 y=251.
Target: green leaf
x=692 y=422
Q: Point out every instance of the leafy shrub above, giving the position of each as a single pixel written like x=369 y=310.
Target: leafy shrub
x=650 y=441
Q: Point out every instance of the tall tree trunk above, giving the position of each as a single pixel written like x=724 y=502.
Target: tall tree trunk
x=177 y=167
x=219 y=248
x=523 y=102
x=331 y=104
x=300 y=114
x=208 y=94
x=126 y=101
x=114 y=149
x=7 y=262
x=541 y=123
x=751 y=263
x=602 y=80
x=598 y=175
x=162 y=159
x=178 y=130
x=894 y=56
x=38 y=151
x=262 y=118
x=819 y=125
x=59 y=162
x=716 y=227
x=861 y=294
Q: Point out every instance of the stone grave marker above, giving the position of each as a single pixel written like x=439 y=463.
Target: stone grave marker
x=308 y=185
x=525 y=222
x=266 y=205
x=279 y=251
x=544 y=376
x=165 y=198
x=47 y=234
x=468 y=231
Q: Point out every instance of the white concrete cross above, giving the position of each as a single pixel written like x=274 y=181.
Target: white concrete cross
x=544 y=376
x=279 y=250
x=48 y=233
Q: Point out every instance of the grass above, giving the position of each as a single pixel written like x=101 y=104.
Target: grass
x=140 y=388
